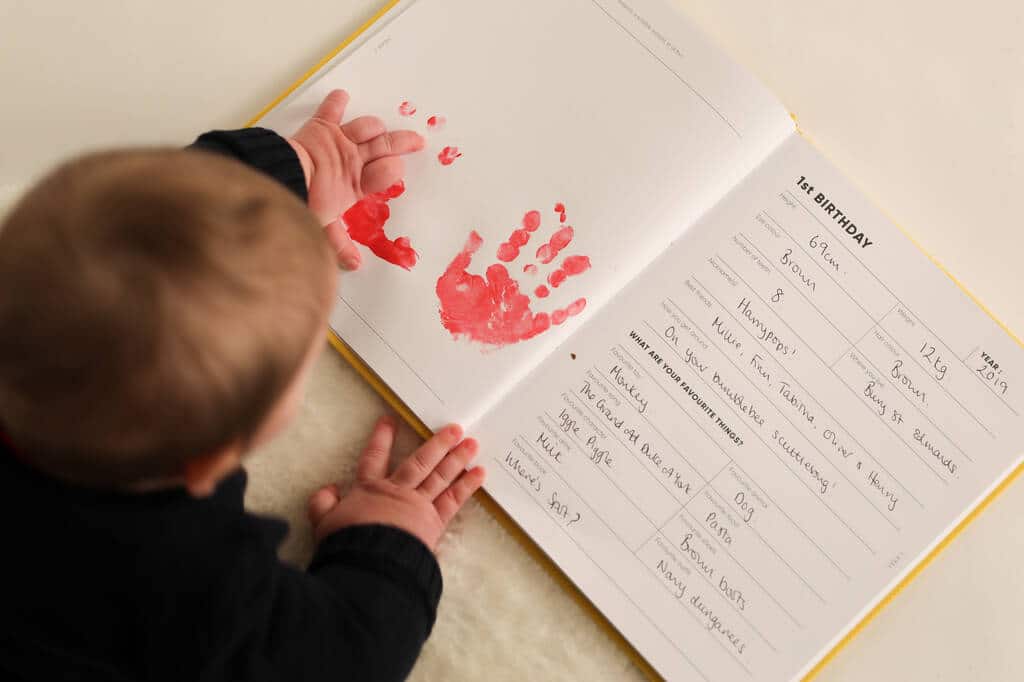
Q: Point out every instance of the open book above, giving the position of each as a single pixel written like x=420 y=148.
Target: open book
x=726 y=396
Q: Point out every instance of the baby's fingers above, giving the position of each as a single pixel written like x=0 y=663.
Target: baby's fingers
x=373 y=463
x=332 y=109
x=381 y=174
x=345 y=250
x=364 y=129
x=322 y=501
x=421 y=463
x=453 y=464
x=393 y=143
x=449 y=502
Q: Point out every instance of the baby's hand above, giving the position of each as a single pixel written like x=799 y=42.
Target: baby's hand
x=344 y=162
x=420 y=497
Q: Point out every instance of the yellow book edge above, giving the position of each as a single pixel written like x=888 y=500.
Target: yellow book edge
x=534 y=550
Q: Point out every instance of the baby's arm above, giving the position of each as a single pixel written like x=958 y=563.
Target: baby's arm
x=362 y=611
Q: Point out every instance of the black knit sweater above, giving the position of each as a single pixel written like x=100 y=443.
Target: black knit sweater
x=164 y=586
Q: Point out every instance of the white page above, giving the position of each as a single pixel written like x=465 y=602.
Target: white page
x=735 y=505
x=636 y=130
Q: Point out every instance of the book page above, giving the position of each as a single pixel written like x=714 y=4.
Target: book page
x=764 y=432
x=568 y=143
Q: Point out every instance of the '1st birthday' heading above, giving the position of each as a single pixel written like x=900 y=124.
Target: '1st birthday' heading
x=833 y=212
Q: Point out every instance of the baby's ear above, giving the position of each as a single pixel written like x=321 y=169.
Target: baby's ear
x=204 y=472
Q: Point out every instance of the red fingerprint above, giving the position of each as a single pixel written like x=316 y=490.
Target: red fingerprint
x=509 y=251
x=407 y=108
x=573 y=265
x=365 y=222
x=560 y=210
x=541 y=291
x=530 y=269
x=558 y=241
x=448 y=155
x=436 y=122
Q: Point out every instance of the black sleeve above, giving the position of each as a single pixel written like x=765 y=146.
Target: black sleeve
x=262 y=149
x=361 y=612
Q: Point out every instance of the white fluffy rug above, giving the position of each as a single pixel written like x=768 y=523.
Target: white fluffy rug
x=502 y=616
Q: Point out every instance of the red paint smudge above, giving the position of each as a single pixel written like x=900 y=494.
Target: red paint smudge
x=490 y=310
x=407 y=108
x=530 y=269
x=365 y=222
x=448 y=155
x=559 y=240
x=560 y=210
x=541 y=291
x=436 y=122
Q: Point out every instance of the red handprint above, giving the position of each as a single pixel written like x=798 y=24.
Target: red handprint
x=366 y=218
x=491 y=309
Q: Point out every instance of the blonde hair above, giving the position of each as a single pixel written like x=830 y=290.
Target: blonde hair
x=154 y=304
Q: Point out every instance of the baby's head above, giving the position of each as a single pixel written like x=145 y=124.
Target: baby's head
x=158 y=309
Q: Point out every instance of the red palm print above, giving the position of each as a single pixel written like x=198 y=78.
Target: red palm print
x=491 y=309
x=365 y=220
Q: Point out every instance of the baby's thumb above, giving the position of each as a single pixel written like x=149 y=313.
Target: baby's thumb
x=344 y=248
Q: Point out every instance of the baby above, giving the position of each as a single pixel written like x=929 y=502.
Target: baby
x=159 y=312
